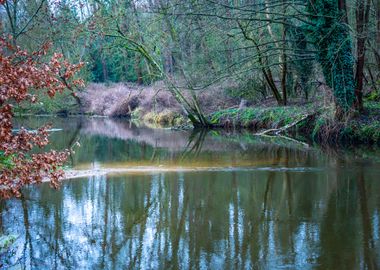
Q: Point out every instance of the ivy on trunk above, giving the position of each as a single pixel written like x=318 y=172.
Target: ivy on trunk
x=330 y=35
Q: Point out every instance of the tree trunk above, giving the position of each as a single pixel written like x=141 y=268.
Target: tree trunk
x=138 y=70
x=266 y=70
x=362 y=17
x=343 y=7
x=376 y=49
x=378 y=21
x=104 y=69
x=284 y=64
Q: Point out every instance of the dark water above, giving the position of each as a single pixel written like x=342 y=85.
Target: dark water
x=253 y=203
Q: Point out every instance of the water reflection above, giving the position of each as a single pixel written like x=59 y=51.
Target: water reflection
x=209 y=220
x=119 y=143
x=326 y=217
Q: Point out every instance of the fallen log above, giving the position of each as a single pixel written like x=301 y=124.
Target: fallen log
x=278 y=131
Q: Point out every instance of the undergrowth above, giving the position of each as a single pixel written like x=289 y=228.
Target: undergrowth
x=164 y=118
x=256 y=118
x=321 y=127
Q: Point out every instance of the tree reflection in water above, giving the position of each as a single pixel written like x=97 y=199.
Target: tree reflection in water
x=198 y=220
x=268 y=206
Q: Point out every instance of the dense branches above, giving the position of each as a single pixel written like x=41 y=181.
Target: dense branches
x=21 y=72
x=199 y=43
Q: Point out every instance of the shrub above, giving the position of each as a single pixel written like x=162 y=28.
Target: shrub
x=21 y=73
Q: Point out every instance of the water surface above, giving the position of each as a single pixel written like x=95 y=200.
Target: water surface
x=224 y=201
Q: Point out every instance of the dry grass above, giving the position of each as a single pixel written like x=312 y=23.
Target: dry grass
x=126 y=99
x=121 y=99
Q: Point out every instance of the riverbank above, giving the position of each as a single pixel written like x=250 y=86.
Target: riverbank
x=305 y=122
x=156 y=107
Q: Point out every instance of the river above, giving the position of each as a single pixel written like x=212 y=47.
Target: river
x=196 y=200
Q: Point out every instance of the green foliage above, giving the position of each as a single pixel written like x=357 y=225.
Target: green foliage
x=334 y=53
x=61 y=103
x=6 y=241
x=271 y=117
x=302 y=64
x=361 y=129
x=116 y=65
x=251 y=90
x=248 y=115
x=5 y=161
x=373 y=107
x=370 y=132
x=319 y=124
x=321 y=128
x=373 y=96
x=217 y=117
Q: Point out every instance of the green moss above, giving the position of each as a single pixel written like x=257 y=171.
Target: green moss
x=247 y=116
x=217 y=117
x=264 y=116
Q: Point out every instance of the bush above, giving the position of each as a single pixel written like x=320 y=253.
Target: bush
x=21 y=72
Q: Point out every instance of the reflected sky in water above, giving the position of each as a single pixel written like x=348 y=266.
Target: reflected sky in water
x=283 y=206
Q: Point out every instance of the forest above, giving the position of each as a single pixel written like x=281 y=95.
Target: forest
x=249 y=53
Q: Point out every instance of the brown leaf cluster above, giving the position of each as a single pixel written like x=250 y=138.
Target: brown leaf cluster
x=21 y=72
